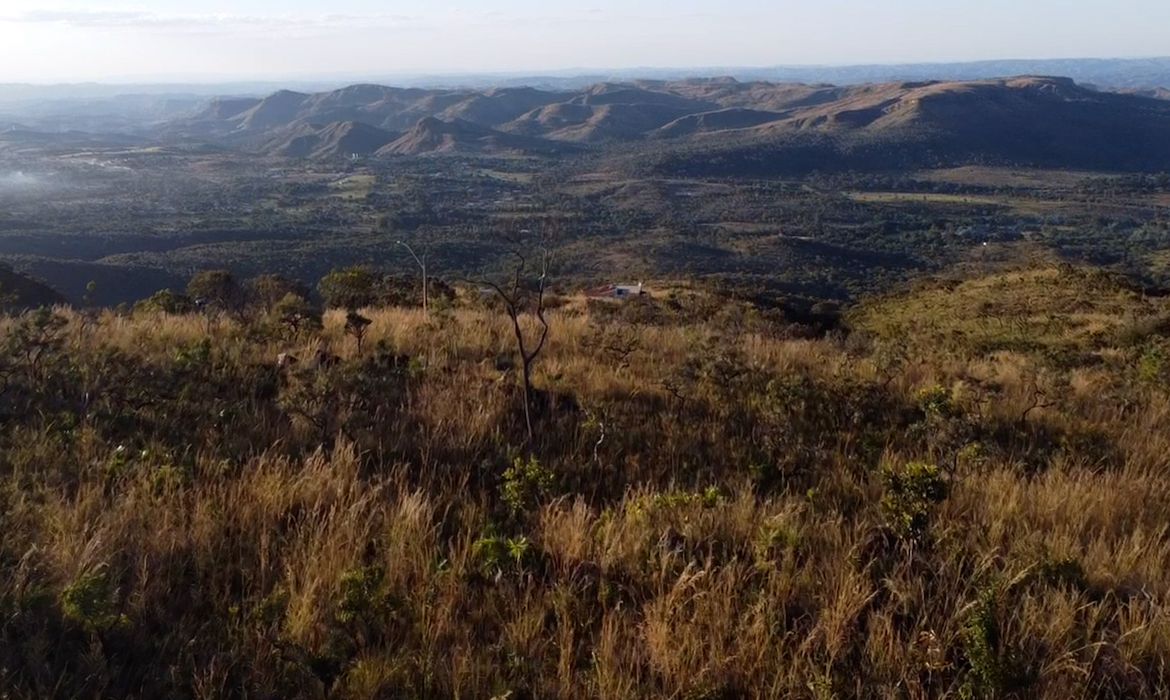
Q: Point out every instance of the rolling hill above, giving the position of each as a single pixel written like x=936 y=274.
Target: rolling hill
x=745 y=126
x=335 y=140
x=432 y=135
x=588 y=123
x=1034 y=121
x=718 y=120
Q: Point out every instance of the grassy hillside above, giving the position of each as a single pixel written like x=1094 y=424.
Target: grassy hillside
x=963 y=496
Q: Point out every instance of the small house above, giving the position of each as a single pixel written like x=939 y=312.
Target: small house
x=616 y=291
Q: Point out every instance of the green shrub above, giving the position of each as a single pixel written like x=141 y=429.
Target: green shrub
x=995 y=669
x=296 y=314
x=525 y=484
x=92 y=601
x=350 y=288
x=496 y=554
x=271 y=611
x=166 y=301
x=911 y=493
x=363 y=596
x=935 y=401
x=1152 y=364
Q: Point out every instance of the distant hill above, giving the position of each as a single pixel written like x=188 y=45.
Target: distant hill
x=226 y=107
x=1035 y=121
x=498 y=106
x=433 y=135
x=1156 y=93
x=18 y=291
x=339 y=139
x=14 y=135
x=589 y=123
x=745 y=126
x=278 y=109
x=719 y=120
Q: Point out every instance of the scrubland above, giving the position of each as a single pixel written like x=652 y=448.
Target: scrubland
x=962 y=492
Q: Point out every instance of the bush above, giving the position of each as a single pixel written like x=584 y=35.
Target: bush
x=935 y=401
x=166 y=301
x=495 y=554
x=217 y=290
x=296 y=314
x=92 y=602
x=911 y=494
x=349 y=288
x=525 y=484
x=994 y=668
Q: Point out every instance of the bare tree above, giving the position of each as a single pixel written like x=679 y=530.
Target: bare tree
x=422 y=263
x=517 y=300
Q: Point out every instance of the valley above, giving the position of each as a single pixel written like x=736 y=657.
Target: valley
x=817 y=191
x=709 y=389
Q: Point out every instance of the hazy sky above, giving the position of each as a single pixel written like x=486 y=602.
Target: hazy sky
x=47 y=40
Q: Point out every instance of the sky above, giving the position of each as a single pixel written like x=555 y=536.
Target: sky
x=204 y=40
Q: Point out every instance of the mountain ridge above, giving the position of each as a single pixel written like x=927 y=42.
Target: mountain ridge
x=1028 y=118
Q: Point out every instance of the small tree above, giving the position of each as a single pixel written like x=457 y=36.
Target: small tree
x=217 y=290
x=166 y=301
x=349 y=288
x=296 y=313
x=357 y=325
x=266 y=291
x=519 y=299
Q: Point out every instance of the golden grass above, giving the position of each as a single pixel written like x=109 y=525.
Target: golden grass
x=664 y=560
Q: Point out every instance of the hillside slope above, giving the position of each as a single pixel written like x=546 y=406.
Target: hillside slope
x=336 y=140
x=713 y=501
x=745 y=126
x=20 y=292
x=1031 y=121
x=432 y=135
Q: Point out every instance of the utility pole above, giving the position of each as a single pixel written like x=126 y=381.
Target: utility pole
x=422 y=263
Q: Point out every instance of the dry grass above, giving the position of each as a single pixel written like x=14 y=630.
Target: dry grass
x=718 y=518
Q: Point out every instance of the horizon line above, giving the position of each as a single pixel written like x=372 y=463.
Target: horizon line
x=550 y=73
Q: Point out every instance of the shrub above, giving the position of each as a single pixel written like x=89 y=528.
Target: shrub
x=349 y=288
x=296 y=314
x=525 y=484
x=496 y=554
x=166 y=301
x=994 y=668
x=1152 y=364
x=267 y=291
x=92 y=602
x=363 y=596
x=935 y=401
x=217 y=289
x=911 y=494
x=356 y=325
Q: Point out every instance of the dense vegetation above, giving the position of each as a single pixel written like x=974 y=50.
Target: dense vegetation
x=813 y=190
x=962 y=494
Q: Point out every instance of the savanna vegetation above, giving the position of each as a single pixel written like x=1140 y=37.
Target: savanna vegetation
x=959 y=491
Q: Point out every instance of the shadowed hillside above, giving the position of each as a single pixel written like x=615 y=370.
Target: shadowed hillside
x=20 y=292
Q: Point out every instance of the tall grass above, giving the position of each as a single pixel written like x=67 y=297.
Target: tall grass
x=723 y=511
